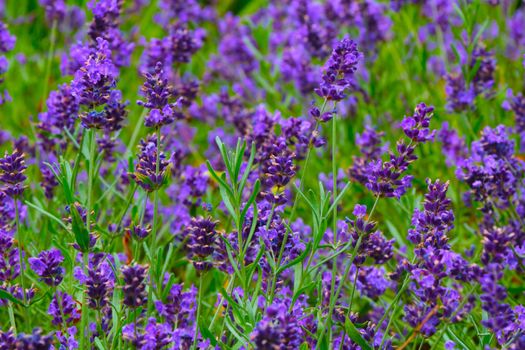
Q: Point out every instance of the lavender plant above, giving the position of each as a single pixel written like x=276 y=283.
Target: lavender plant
x=293 y=175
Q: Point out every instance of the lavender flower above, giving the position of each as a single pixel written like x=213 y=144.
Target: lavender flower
x=280 y=329
x=416 y=127
x=157 y=93
x=36 y=340
x=134 y=285
x=55 y=9
x=63 y=309
x=385 y=178
x=433 y=223
x=373 y=243
x=369 y=144
x=62 y=108
x=184 y=43
x=12 y=168
x=9 y=259
x=105 y=25
x=7 y=43
x=138 y=232
x=339 y=70
x=99 y=281
x=201 y=236
x=454 y=147
x=47 y=266
x=145 y=173
x=94 y=80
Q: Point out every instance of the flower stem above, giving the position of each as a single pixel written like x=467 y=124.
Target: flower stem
x=153 y=242
x=91 y=170
x=11 y=316
x=294 y=208
x=334 y=213
x=199 y=301
x=50 y=53
x=349 y=308
x=345 y=276
x=20 y=254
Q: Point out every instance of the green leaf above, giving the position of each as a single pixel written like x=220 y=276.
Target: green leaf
x=207 y=334
x=228 y=204
x=248 y=167
x=354 y=334
x=251 y=200
x=338 y=198
x=6 y=295
x=79 y=229
x=297 y=260
x=217 y=178
x=99 y=344
x=48 y=214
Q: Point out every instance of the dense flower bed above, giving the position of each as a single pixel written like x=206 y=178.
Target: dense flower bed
x=293 y=174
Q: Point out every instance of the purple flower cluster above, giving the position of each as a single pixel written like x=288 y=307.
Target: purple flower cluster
x=47 y=266
x=134 y=286
x=12 y=177
x=146 y=173
x=201 y=237
x=339 y=71
x=7 y=43
x=386 y=178
x=239 y=187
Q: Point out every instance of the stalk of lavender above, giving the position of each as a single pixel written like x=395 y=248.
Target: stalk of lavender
x=385 y=179
x=85 y=255
x=92 y=86
x=336 y=79
x=157 y=93
x=12 y=168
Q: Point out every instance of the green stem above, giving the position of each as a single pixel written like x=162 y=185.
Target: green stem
x=50 y=53
x=333 y=299
x=85 y=317
x=153 y=242
x=194 y=346
x=349 y=308
x=11 y=316
x=20 y=254
x=228 y=289
x=334 y=213
x=294 y=208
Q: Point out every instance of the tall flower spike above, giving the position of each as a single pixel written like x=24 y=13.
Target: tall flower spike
x=416 y=127
x=47 y=266
x=55 y=9
x=339 y=70
x=99 y=282
x=12 y=168
x=201 y=237
x=9 y=259
x=433 y=223
x=7 y=42
x=386 y=178
x=157 y=93
x=134 y=285
x=93 y=82
x=63 y=309
x=145 y=173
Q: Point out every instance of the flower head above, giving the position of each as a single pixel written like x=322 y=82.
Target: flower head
x=134 y=285
x=201 y=235
x=339 y=70
x=12 y=168
x=146 y=174
x=47 y=266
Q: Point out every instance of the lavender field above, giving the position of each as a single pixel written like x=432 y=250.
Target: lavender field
x=265 y=174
